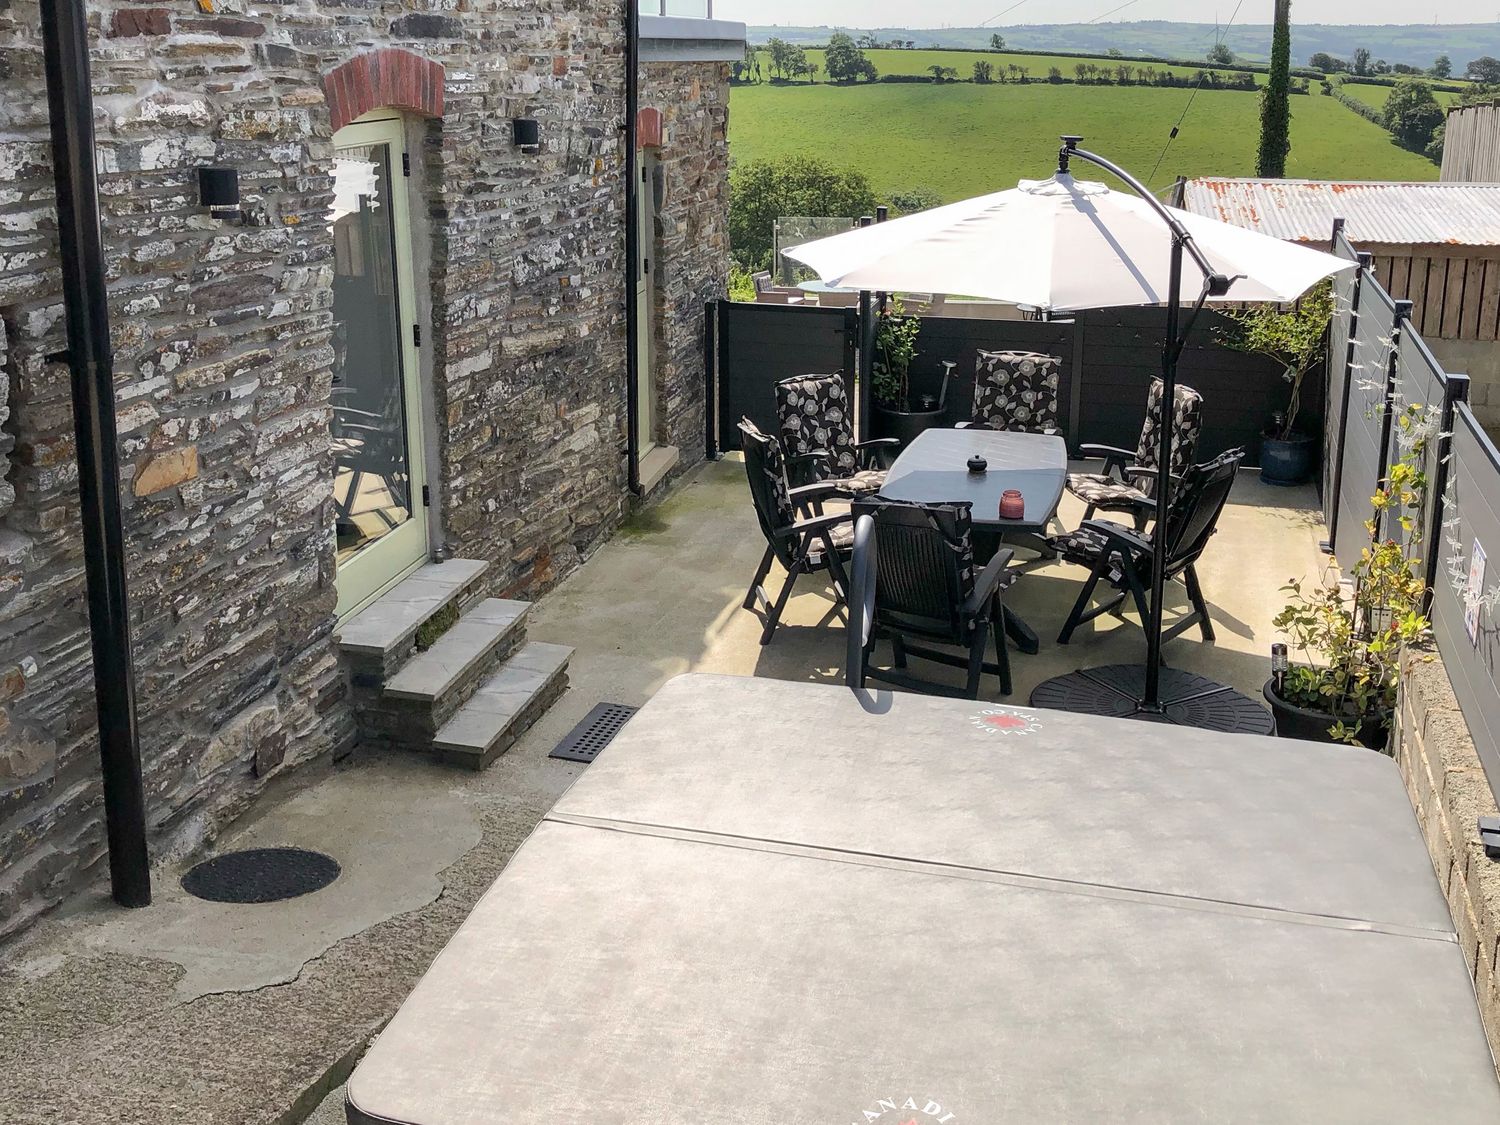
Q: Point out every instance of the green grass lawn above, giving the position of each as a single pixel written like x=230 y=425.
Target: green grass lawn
x=963 y=140
x=1376 y=96
x=917 y=62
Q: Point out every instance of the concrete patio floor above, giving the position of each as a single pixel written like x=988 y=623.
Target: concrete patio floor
x=201 y=1013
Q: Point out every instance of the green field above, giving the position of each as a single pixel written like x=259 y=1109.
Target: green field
x=917 y=62
x=964 y=140
x=1376 y=96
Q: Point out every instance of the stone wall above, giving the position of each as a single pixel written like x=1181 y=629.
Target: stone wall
x=1450 y=792
x=223 y=362
x=692 y=238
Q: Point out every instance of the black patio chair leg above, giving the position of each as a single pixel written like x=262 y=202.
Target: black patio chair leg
x=1137 y=589
x=773 y=618
x=760 y=576
x=1002 y=651
x=1195 y=596
x=836 y=570
x=977 y=645
x=1088 y=513
x=898 y=651
x=1075 y=618
x=1142 y=518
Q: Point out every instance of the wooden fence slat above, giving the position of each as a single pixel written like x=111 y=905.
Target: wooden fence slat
x=1416 y=291
x=1489 y=305
x=1468 y=328
x=1430 y=324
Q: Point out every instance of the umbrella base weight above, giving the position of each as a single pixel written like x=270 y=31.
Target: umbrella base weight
x=1186 y=699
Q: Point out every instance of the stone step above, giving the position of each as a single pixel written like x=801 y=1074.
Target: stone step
x=433 y=685
x=505 y=706
x=380 y=638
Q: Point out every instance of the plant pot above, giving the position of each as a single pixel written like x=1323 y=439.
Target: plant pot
x=1288 y=462
x=1293 y=721
x=904 y=425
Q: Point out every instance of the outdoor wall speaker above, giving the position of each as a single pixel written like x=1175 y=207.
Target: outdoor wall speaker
x=528 y=134
x=219 y=191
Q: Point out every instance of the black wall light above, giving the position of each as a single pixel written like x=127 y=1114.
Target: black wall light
x=528 y=134
x=219 y=191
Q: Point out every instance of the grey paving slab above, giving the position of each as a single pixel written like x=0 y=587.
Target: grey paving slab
x=397 y=614
x=1261 y=821
x=432 y=674
x=502 y=698
x=612 y=977
x=934 y=469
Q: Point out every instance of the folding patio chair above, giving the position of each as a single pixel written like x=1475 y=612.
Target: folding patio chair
x=1123 y=557
x=1016 y=391
x=798 y=534
x=1128 y=482
x=916 y=579
x=817 y=428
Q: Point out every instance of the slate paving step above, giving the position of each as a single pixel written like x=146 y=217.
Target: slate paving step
x=480 y=640
x=505 y=706
x=382 y=635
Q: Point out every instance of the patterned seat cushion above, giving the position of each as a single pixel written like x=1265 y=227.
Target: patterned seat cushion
x=1085 y=546
x=1104 y=491
x=864 y=483
x=1017 y=391
x=843 y=540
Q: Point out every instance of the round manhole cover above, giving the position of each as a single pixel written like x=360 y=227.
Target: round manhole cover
x=261 y=875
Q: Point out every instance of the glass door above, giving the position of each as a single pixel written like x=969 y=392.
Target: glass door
x=377 y=433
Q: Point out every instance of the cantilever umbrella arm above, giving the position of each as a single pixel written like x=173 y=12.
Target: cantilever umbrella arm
x=1215 y=284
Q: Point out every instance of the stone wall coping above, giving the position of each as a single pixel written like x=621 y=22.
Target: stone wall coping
x=688 y=39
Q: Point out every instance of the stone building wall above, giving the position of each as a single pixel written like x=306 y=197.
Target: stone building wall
x=224 y=365
x=692 y=236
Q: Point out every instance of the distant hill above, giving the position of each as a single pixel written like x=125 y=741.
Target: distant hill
x=1413 y=44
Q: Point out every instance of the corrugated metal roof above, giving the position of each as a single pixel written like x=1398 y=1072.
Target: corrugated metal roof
x=1375 y=213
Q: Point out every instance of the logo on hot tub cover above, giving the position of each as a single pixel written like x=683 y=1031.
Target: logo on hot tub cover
x=911 y=1111
x=1006 y=720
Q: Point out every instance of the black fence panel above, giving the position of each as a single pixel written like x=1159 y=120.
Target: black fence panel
x=1471 y=519
x=1121 y=351
x=1341 y=331
x=961 y=339
x=1364 y=443
x=759 y=345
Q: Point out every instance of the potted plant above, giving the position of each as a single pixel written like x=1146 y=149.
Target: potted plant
x=890 y=386
x=1344 y=689
x=1294 y=338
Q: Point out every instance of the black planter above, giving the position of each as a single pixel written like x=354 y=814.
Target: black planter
x=1313 y=726
x=904 y=425
x=1288 y=462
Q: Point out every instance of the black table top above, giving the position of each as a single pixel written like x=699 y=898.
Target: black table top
x=933 y=469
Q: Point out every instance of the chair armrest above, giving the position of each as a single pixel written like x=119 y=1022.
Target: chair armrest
x=989 y=580
x=800 y=467
x=972 y=425
x=1117 y=534
x=815 y=525
x=818 y=490
x=1112 y=455
x=884 y=451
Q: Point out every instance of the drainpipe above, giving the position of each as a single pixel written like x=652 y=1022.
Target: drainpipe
x=89 y=357
x=632 y=246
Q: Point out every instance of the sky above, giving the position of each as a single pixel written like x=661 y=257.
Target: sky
x=969 y=13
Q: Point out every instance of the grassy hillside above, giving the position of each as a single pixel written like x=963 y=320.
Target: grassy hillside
x=917 y=62
x=963 y=140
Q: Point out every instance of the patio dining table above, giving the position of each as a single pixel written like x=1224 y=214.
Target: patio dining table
x=773 y=903
x=934 y=469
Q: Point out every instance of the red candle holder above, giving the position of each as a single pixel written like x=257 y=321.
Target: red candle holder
x=1012 y=504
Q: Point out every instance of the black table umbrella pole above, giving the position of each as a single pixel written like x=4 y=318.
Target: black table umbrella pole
x=1215 y=284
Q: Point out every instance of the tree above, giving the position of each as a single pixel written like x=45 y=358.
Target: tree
x=1442 y=67
x=1328 y=64
x=915 y=199
x=997 y=42
x=763 y=191
x=1486 y=70
x=942 y=73
x=1361 y=65
x=1413 y=114
x=1220 y=54
x=846 y=62
x=779 y=50
x=1275 y=100
x=984 y=72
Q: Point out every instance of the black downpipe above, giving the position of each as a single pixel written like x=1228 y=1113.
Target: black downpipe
x=89 y=356
x=632 y=246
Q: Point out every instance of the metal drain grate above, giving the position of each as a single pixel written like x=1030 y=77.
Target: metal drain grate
x=261 y=875
x=598 y=729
